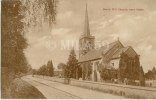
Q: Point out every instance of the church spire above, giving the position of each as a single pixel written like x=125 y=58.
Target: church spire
x=86 y=31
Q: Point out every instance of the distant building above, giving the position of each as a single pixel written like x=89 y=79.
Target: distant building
x=108 y=55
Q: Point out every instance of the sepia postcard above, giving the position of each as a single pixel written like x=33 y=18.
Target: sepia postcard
x=78 y=49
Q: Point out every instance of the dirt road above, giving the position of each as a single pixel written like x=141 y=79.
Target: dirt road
x=55 y=90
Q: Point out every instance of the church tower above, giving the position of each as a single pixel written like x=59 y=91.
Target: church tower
x=86 y=40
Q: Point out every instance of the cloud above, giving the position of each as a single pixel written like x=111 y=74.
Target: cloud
x=64 y=15
x=60 y=31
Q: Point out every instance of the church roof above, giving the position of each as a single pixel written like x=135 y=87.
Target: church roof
x=127 y=50
x=97 y=53
x=119 y=52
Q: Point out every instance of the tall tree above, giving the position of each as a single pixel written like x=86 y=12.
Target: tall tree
x=124 y=67
x=154 y=72
x=136 y=67
x=13 y=43
x=42 y=70
x=72 y=65
x=13 y=40
x=129 y=68
x=50 y=69
x=141 y=77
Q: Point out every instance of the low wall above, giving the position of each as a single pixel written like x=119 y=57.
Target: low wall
x=55 y=79
x=117 y=89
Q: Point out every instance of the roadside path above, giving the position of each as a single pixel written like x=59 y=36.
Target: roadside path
x=55 y=90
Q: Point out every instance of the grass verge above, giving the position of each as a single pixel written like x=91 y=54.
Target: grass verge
x=23 y=90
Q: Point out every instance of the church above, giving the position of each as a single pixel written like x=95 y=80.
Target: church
x=109 y=56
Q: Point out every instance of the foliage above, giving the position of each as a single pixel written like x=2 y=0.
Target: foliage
x=50 y=69
x=123 y=69
x=72 y=65
x=13 y=40
x=42 y=70
x=154 y=73
x=61 y=66
x=105 y=74
x=154 y=70
x=136 y=68
x=108 y=74
x=79 y=72
x=142 y=77
x=13 y=44
x=33 y=71
x=45 y=70
x=129 y=68
x=23 y=90
x=46 y=12
x=151 y=74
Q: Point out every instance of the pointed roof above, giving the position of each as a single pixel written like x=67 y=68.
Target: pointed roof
x=127 y=50
x=97 y=53
x=86 y=31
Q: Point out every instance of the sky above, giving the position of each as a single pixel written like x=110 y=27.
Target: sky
x=132 y=21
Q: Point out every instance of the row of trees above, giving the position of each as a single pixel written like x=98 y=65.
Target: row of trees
x=70 y=70
x=45 y=70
